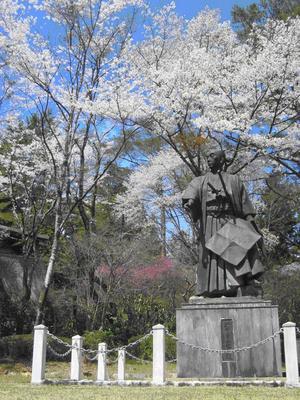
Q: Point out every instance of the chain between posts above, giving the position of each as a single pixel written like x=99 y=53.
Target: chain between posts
x=128 y=346
x=111 y=362
x=55 y=338
x=58 y=340
x=172 y=361
x=60 y=355
x=89 y=351
x=297 y=331
x=236 y=350
x=137 y=358
x=91 y=358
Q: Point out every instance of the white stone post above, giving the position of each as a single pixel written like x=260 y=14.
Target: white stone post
x=101 y=371
x=39 y=354
x=121 y=365
x=158 y=375
x=290 y=353
x=76 y=358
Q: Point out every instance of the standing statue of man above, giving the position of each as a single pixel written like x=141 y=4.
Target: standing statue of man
x=228 y=237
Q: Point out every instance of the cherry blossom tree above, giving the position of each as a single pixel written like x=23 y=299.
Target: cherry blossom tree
x=195 y=84
x=54 y=72
x=26 y=185
x=191 y=83
x=190 y=80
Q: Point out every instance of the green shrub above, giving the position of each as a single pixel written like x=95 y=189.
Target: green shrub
x=91 y=339
x=16 y=347
x=19 y=348
x=143 y=350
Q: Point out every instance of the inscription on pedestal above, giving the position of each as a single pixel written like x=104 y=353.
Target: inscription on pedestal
x=227 y=341
x=227 y=338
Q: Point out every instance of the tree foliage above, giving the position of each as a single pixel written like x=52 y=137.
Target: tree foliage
x=257 y=13
x=100 y=133
x=78 y=144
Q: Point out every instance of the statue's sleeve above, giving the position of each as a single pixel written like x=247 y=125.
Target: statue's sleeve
x=192 y=193
x=246 y=205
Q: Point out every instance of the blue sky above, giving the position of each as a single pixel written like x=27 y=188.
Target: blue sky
x=189 y=8
x=186 y=8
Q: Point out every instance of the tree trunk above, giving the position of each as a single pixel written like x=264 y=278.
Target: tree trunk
x=45 y=288
x=163 y=251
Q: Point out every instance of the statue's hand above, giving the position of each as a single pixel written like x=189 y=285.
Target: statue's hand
x=188 y=205
x=250 y=218
x=260 y=243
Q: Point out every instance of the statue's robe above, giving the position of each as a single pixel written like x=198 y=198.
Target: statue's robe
x=216 y=277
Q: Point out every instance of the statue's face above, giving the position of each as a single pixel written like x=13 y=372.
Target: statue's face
x=215 y=160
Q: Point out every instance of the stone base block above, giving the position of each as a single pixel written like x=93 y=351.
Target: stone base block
x=227 y=323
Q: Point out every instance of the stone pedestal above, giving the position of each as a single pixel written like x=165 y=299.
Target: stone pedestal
x=227 y=323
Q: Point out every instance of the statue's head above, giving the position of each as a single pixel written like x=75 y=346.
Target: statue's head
x=216 y=160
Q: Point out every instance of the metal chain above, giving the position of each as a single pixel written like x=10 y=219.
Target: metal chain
x=60 y=355
x=58 y=340
x=236 y=350
x=137 y=358
x=96 y=352
x=116 y=349
x=110 y=362
x=96 y=356
x=172 y=361
x=91 y=358
x=297 y=331
x=90 y=351
x=128 y=346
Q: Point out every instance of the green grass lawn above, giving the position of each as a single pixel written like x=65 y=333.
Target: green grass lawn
x=15 y=385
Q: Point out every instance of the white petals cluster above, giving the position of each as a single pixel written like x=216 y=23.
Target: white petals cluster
x=197 y=75
x=185 y=76
x=150 y=188
x=59 y=10
x=59 y=70
x=270 y=240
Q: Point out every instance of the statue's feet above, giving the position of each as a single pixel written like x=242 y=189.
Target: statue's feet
x=253 y=288
x=195 y=297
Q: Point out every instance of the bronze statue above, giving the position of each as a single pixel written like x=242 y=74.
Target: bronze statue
x=228 y=236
